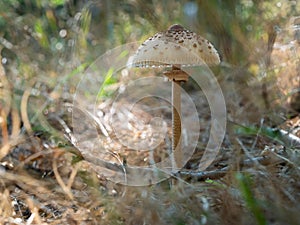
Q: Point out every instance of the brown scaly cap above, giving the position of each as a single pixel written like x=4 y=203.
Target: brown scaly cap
x=176 y=46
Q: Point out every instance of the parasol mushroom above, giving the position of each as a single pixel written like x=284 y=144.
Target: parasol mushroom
x=177 y=47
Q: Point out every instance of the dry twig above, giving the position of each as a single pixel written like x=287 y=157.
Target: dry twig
x=59 y=179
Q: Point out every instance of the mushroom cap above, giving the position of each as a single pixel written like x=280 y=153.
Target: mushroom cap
x=176 y=46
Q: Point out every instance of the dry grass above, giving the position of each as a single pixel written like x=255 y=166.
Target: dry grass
x=254 y=180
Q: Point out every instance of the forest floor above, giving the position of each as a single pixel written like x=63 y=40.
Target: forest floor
x=45 y=180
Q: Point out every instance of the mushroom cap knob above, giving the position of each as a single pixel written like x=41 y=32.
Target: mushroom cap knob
x=176 y=46
x=176 y=27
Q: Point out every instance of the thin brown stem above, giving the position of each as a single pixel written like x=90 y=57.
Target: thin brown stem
x=176 y=75
x=176 y=123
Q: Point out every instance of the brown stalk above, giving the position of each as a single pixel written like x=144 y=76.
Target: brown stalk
x=59 y=179
x=5 y=204
x=4 y=128
x=34 y=209
x=4 y=150
x=24 y=114
x=177 y=76
x=176 y=122
x=15 y=122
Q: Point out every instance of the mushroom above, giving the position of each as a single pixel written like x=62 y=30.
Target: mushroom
x=175 y=48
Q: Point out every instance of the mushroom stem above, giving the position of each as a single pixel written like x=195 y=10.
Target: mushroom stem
x=177 y=76
x=176 y=123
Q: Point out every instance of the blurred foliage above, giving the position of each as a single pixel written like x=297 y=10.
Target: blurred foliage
x=62 y=27
x=43 y=42
x=246 y=186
